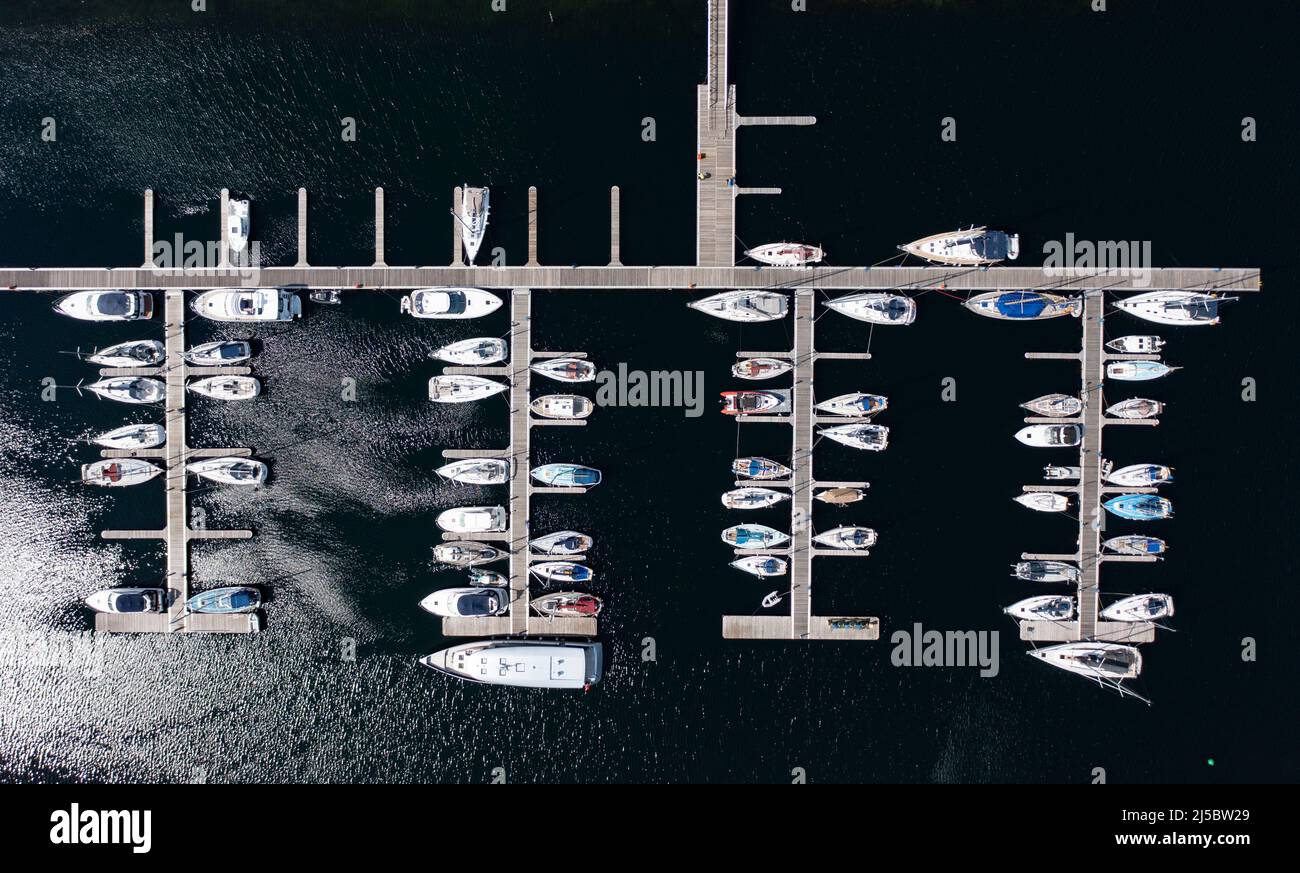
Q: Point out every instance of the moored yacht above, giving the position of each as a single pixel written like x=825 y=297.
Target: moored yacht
x=972 y=247
x=227 y=387
x=248 y=304
x=118 y=472
x=750 y=402
x=760 y=368
x=1138 y=371
x=562 y=406
x=474 y=211
x=876 y=307
x=1043 y=501
x=136 y=353
x=130 y=389
x=575 y=604
x=475 y=352
x=566 y=475
x=473 y=519
x=1046 y=571
x=744 y=305
x=450 y=303
x=786 y=254
x=229 y=471
x=1134 y=544
x=753 y=498
x=230 y=600
x=1054 y=406
x=566 y=369
x=1023 y=305
x=759 y=468
x=474 y=602
x=1141 y=475
x=840 y=496
x=1044 y=607
x=463 y=389
x=477 y=471
x=219 y=354
x=466 y=553
x=1175 y=307
x=237 y=224
x=487 y=578
x=1047 y=436
x=522 y=663
x=1053 y=471
x=1110 y=662
x=133 y=436
x=761 y=565
x=1136 y=345
x=565 y=542
x=870 y=437
x=127 y=601
x=753 y=536
x=106 y=305
x=854 y=405
x=1136 y=407
x=1140 y=607
x=847 y=537
x=562 y=571
x=1140 y=507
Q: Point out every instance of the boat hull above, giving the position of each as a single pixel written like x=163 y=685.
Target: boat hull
x=744 y=305
x=522 y=663
x=876 y=308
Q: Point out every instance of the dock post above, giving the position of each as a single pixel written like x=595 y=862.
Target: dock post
x=224 y=260
x=456 y=202
x=613 y=228
x=532 y=227
x=379 y=228
x=148 y=228
x=302 y=228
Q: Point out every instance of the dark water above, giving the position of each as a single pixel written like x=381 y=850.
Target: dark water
x=1119 y=126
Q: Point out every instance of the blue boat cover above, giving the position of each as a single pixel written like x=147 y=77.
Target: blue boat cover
x=1021 y=304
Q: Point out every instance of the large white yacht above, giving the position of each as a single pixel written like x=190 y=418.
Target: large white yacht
x=106 y=305
x=450 y=303
x=237 y=225
x=1175 y=307
x=522 y=663
x=248 y=304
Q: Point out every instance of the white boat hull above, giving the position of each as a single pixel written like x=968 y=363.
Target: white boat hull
x=477 y=471
x=785 y=254
x=133 y=436
x=521 y=663
x=876 y=308
x=227 y=387
x=463 y=389
x=473 y=519
x=1174 y=308
x=248 y=305
x=744 y=305
x=230 y=471
x=450 y=303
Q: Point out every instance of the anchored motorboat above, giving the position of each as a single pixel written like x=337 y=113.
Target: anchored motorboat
x=1140 y=507
x=487 y=578
x=230 y=600
x=1175 y=307
x=1044 y=607
x=237 y=224
x=1047 y=436
x=466 y=554
x=565 y=542
x=1108 y=662
x=230 y=471
x=876 y=307
x=753 y=536
x=136 y=353
x=856 y=404
x=1043 y=501
x=118 y=472
x=840 y=496
x=566 y=369
x=871 y=437
x=1136 y=407
x=220 y=353
x=786 y=254
x=328 y=296
x=463 y=389
x=744 y=305
x=1055 y=405
x=972 y=247
x=1134 y=544
x=1140 y=607
x=475 y=352
x=130 y=389
x=248 y=304
x=847 y=537
x=522 y=663
x=1046 y=571
x=1138 y=371
x=750 y=402
x=568 y=603
x=106 y=305
x=1136 y=345
x=127 y=601
x=477 y=471
x=227 y=387
x=473 y=519
x=450 y=303
x=562 y=571
x=566 y=475
x=1023 y=305
x=760 y=368
x=133 y=436
x=759 y=468
x=753 y=498
x=563 y=406
x=761 y=565
x=475 y=602
x=473 y=217
x=1052 y=471
x=1141 y=475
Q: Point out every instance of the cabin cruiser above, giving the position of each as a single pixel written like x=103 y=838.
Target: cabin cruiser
x=566 y=369
x=759 y=468
x=119 y=472
x=450 y=303
x=563 y=604
x=219 y=354
x=787 y=254
x=467 y=602
x=1136 y=407
x=229 y=471
x=1134 y=544
x=1052 y=471
x=750 y=402
x=840 y=496
x=473 y=217
x=1043 y=501
x=106 y=305
x=1044 y=607
x=1140 y=507
x=761 y=565
x=849 y=537
x=136 y=353
x=760 y=368
x=521 y=663
x=1046 y=571
x=753 y=498
x=1023 y=305
x=130 y=389
x=1174 y=307
x=871 y=437
x=466 y=554
x=566 y=475
x=230 y=600
x=562 y=406
x=473 y=519
x=463 y=389
x=972 y=247
x=855 y=405
x=474 y=352
x=1141 y=475
x=1138 y=371
x=744 y=305
x=565 y=542
x=1110 y=662
x=1136 y=345
x=753 y=536
x=227 y=387
x=133 y=436
x=477 y=471
x=1141 y=607
x=876 y=307
x=248 y=304
x=1050 y=435
x=1055 y=406
x=237 y=224
x=562 y=571
x=487 y=578
x=129 y=601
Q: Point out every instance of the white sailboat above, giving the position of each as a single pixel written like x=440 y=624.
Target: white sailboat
x=129 y=389
x=136 y=353
x=118 y=472
x=760 y=368
x=744 y=305
x=227 y=387
x=854 y=405
x=1141 y=475
x=1046 y=571
x=230 y=471
x=566 y=369
x=870 y=437
x=463 y=389
x=753 y=498
x=1136 y=407
x=972 y=247
x=475 y=352
x=1140 y=607
x=133 y=436
x=1044 y=607
x=787 y=254
x=761 y=565
x=1043 y=501
x=220 y=353
x=1109 y=663
x=1055 y=405
x=1178 y=308
x=876 y=307
x=1138 y=371
x=847 y=537
x=477 y=471
x=474 y=211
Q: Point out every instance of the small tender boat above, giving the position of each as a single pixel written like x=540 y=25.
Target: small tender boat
x=1105 y=661
x=467 y=602
x=463 y=389
x=130 y=389
x=472 y=519
x=226 y=601
x=565 y=542
x=477 y=471
x=478 y=351
x=564 y=406
x=749 y=402
x=562 y=571
x=753 y=536
x=876 y=307
x=1141 y=607
x=1047 y=436
x=1134 y=544
x=566 y=369
x=744 y=305
x=568 y=603
x=761 y=565
x=848 y=537
x=328 y=296
x=1052 y=471
x=759 y=468
x=1043 y=501
x=230 y=471
x=473 y=217
x=227 y=387
x=871 y=437
x=1044 y=607
x=136 y=353
x=219 y=354
x=1175 y=307
x=1140 y=507
x=1136 y=407
x=786 y=254
x=106 y=305
x=248 y=304
x=840 y=496
x=1136 y=345
x=760 y=368
x=237 y=224
x=1055 y=405
x=522 y=663
x=133 y=436
x=487 y=578
x=466 y=554
x=128 y=601
x=566 y=475
x=1046 y=571
x=856 y=405
x=450 y=303
x=1023 y=305
x=1138 y=371
x=118 y=472
x=753 y=498
x=969 y=248
x=1141 y=475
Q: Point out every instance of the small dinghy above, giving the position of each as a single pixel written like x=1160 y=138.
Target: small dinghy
x=128 y=601
x=753 y=498
x=562 y=571
x=750 y=402
x=855 y=405
x=328 y=296
x=230 y=471
x=566 y=369
x=248 y=304
x=786 y=254
x=133 y=436
x=870 y=437
x=761 y=565
x=487 y=578
x=849 y=537
x=1134 y=544
x=106 y=305
x=1107 y=662
x=760 y=368
x=759 y=468
x=238 y=225
x=1046 y=571
x=137 y=353
x=565 y=542
x=466 y=554
x=130 y=389
x=753 y=536
x=1141 y=475
x=1178 y=308
x=463 y=389
x=1052 y=471
x=475 y=602
x=1044 y=607
x=473 y=519
x=566 y=475
x=876 y=307
x=1054 y=405
x=118 y=472
x=1023 y=305
x=840 y=496
x=1137 y=407
x=1140 y=507
x=450 y=303
x=744 y=305
x=563 y=406
x=1138 y=371
x=475 y=352
x=1050 y=436
x=227 y=387
x=226 y=601
x=1136 y=345
x=1141 y=607
x=1043 y=501
x=219 y=354
x=477 y=471
x=972 y=247
x=568 y=603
